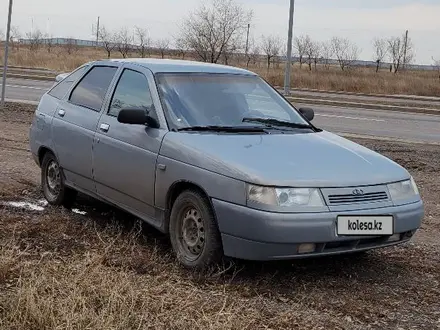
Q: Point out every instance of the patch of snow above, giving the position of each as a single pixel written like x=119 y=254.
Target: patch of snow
x=79 y=212
x=42 y=202
x=26 y=205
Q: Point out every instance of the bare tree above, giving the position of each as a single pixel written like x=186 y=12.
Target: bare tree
x=251 y=50
x=317 y=50
x=395 y=49
x=144 y=41
x=437 y=66
x=181 y=47
x=401 y=51
x=301 y=44
x=124 y=40
x=35 y=39
x=345 y=51
x=48 y=41
x=15 y=36
x=107 y=39
x=162 y=45
x=229 y=53
x=210 y=30
x=326 y=54
x=71 y=45
x=380 y=51
x=271 y=46
x=312 y=52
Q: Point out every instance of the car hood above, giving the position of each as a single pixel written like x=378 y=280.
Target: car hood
x=307 y=159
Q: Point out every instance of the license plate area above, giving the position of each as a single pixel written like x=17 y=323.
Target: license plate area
x=365 y=225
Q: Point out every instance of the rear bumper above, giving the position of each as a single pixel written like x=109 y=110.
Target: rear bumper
x=257 y=235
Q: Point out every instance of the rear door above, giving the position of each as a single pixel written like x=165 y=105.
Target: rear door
x=74 y=125
x=124 y=156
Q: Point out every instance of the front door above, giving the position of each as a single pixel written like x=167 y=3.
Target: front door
x=74 y=125
x=124 y=156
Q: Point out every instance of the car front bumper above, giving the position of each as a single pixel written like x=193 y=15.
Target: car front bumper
x=258 y=235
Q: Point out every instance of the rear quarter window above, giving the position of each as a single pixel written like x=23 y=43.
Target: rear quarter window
x=61 y=89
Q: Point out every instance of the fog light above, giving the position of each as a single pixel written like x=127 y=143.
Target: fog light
x=394 y=238
x=306 y=248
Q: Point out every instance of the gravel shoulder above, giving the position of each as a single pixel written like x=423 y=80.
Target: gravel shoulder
x=103 y=269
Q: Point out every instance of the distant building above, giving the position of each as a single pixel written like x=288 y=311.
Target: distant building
x=62 y=41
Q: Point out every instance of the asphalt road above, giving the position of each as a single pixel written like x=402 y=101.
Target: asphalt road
x=419 y=101
x=25 y=89
x=389 y=124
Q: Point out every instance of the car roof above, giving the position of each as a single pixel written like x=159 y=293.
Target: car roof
x=170 y=65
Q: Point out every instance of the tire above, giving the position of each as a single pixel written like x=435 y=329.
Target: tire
x=194 y=234
x=52 y=181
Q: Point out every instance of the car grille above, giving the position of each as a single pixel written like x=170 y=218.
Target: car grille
x=350 y=198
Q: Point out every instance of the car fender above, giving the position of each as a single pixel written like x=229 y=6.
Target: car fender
x=170 y=171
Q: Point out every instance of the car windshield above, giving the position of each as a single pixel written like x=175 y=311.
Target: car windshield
x=207 y=99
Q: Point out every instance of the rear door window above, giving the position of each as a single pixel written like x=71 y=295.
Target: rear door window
x=91 y=90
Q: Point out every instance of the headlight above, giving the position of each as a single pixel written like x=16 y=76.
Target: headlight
x=285 y=197
x=403 y=190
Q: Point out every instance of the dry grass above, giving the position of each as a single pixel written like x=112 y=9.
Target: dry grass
x=364 y=80
x=361 y=80
x=104 y=270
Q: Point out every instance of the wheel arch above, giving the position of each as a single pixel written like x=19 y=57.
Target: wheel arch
x=175 y=190
x=42 y=151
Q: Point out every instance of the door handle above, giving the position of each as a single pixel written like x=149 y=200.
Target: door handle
x=61 y=112
x=104 y=127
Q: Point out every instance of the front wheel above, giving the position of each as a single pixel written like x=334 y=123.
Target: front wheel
x=52 y=180
x=193 y=231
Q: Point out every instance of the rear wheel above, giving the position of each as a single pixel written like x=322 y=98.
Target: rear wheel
x=194 y=233
x=52 y=180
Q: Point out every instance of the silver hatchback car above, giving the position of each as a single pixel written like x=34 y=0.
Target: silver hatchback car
x=218 y=159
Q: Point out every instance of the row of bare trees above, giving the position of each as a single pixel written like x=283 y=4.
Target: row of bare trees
x=36 y=39
x=399 y=50
x=127 y=42
x=312 y=52
x=216 y=31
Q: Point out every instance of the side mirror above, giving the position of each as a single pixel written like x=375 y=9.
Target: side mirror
x=308 y=113
x=137 y=117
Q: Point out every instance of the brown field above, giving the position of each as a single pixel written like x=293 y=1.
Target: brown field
x=104 y=270
x=364 y=80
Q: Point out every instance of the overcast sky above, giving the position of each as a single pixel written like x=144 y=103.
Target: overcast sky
x=359 y=20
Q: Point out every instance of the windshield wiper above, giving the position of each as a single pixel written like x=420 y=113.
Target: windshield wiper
x=234 y=129
x=276 y=122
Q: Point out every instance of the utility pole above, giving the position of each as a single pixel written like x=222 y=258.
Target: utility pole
x=289 y=49
x=247 y=39
x=97 y=33
x=247 y=45
x=405 y=49
x=5 y=66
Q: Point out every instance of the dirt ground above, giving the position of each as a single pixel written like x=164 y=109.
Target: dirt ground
x=104 y=270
